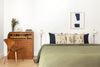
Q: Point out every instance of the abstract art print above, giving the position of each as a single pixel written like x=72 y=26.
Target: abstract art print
x=77 y=20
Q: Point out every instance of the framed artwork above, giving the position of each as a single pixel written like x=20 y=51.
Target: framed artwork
x=77 y=20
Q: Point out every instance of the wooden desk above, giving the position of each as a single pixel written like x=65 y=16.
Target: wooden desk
x=25 y=41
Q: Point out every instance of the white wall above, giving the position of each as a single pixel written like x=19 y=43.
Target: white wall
x=50 y=15
x=1 y=28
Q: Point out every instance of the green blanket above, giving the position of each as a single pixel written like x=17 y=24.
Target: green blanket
x=69 y=55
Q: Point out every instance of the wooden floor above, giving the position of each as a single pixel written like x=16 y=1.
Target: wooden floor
x=21 y=63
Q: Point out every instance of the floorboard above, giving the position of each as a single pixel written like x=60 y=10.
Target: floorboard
x=21 y=63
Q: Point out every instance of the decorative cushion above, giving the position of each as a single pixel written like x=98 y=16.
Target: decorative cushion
x=70 y=38
x=61 y=38
x=86 y=41
x=78 y=38
x=52 y=38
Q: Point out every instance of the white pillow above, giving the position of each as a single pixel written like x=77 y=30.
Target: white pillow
x=45 y=38
x=90 y=39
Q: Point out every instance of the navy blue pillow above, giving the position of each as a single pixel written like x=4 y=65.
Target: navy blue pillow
x=86 y=41
x=52 y=38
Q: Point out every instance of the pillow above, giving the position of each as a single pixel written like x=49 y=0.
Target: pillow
x=45 y=38
x=70 y=38
x=61 y=38
x=90 y=38
x=86 y=41
x=78 y=38
x=52 y=38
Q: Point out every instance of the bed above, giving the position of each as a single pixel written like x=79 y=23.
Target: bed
x=69 y=55
x=68 y=50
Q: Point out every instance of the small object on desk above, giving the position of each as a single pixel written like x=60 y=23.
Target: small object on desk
x=28 y=30
x=18 y=30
